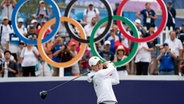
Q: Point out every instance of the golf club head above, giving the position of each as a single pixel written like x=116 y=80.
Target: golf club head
x=43 y=94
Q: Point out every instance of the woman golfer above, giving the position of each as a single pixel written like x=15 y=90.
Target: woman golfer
x=103 y=79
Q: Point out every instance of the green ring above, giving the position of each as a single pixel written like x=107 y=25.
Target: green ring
x=132 y=53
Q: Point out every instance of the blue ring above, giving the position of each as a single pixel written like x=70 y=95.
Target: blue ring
x=49 y=36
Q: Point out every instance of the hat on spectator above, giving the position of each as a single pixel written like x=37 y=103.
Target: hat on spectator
x=182 y=24
x=5 y=18
x=34 y=21
x=41 y=1
x=152 y=25
x=165 y=44
x=20 y=20
x=90 y=3
x=120 y=47
x=93 y=60
x=138 y=21
x=107 y=43
x=31 y=26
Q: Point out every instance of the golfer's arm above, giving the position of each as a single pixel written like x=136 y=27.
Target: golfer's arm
x=115 y=77
x=106 y=72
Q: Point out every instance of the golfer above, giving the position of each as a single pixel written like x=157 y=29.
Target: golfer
x=103 y=79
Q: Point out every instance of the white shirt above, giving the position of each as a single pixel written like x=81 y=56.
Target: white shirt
x=175 y=45
x=6 y=30
x=22 y=30
x=29 y=59
x=103 y=81
x=143 y=55
x=88 y=30
x=90 y=14
x=111 y=38
x=7 y=11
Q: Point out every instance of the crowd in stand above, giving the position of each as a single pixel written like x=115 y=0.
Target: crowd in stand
x=18 y=58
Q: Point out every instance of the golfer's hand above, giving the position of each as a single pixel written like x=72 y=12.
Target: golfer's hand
x=105 y=64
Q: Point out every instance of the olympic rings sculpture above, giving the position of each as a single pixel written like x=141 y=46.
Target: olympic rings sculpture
x=82 y=38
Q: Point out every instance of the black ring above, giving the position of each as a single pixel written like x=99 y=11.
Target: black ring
x=110 y=21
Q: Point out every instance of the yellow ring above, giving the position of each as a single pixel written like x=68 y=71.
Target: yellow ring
x=73 y=60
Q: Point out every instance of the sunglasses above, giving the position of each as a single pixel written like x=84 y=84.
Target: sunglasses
x=161 y=48
x=121 y=50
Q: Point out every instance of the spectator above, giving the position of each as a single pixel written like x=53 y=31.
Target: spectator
x=63 y=32
x=42 y=12
x=43 y=69
x=140 y=27
x=21 y=27
x=116 y=9
x=148 y=14
x=29 y=56
x=21 y=46
x=91 y=12
x=9 y=68
x=32 y=33
x=89 y=27
x=152 y=44
x=35 y=23
x=14 y=40
x=113 y=38
x=65 y=54
x=106 y=53
x=120 y=55
x=42 y=22
x=166 y=59
x=48 y=48
x=75 y=67
x=181 y=33
x=58 y=44
x=83 y=63
x=143 y=58
x=6 y=30
x=7 y=9
x=171 y=15
x=176 y=47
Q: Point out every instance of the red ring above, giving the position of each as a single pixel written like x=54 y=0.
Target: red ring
x=160 y=29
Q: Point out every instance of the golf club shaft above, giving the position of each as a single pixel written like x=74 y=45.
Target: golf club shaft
x=65 y=82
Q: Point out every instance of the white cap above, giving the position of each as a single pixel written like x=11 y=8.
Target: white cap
x=138 y=21
x=90 y=3
x=33 y=21
x=107 y=42
x=5 y=17
x=20 y=20
x=120 y=47
x=41 y=1
x=93 y=60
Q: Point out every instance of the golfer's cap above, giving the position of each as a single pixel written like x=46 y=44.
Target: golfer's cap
x=138 y=21
x=5 y=18
x=41 y=1
x=34 y=21
x=107 y=43
x=93 y=61
x=20 y=20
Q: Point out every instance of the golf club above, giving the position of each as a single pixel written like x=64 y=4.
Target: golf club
x=44 y=93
